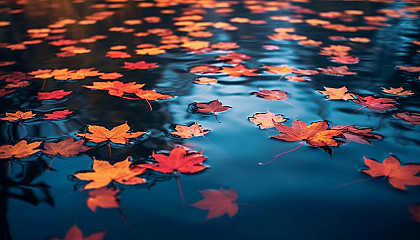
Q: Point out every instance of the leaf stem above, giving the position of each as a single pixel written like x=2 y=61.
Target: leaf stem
x=216 y=117
x=352 y=182
x=278 y=155
x=109 y=147
x=150 y=106
x=358 y=109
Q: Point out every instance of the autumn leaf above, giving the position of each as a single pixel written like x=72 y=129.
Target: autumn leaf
x=409 y=68
x=110 y=76
x=205 y=80
x=139 y=65
x=58 y=94
x=398 y=91
x=205 y=69
x=239 y=70
x=19 y=115
x=117 y=54
x=218 y=202
x=317 y=134
x=75 y=234
x=409 y=117
x=337 y=93
x=265 y=120
x=58 y=114
x=4 y=92
x=19 y=150
x=104 y=198
x=272 y=94
x=359 y=135
x=118 y=134
x=345 y=59
x=233 y=58
x=151 y=95
x=212 y=107
x=178 y=160
x=282 y=70
x=194 y=130
x=105 y=173
x=337 y=71
x=116 y=88
x=398 y=176
x=66 y=148
x=375 y=104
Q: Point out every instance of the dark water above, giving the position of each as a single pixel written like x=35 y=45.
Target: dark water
x=306 y=194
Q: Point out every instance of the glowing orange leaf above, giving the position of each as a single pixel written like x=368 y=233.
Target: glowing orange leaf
x=66 y=148
x=118 y=134
x=194 y=130
x=75 y=234
x=116 y=88
x=104 y=173
x=239 y=70
x=337 y=93
x=265 y=120
x=398 y=91
x=19 y=115
x=19 y=150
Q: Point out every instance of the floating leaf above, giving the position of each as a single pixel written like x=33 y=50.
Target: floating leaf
x=409 y=117
x=212 y=107
x=19 y=115
x=337 y=93
x=194 y=130
x=265 y=120
x=19 y=150
x=58 y=94
x=218 y=202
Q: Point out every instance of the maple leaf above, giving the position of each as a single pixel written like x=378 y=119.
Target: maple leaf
x=233 y=58
x=58 y=114
x=409 y=117
x=338 y=71
x=117 y=54
x=66 y=148
x=218 y=202
x=265 y=120
x=354 y=134
x=116 y=88
x=75 y=234
x=282 y=70
x=178 y=160
x=205 y=69
x=58 y=94
x=19 y=150
x=104 y=198
x=105 y=173
x=316 y=134
x=409 y=68
x=211 y=107
x=206 y=80
x=375 y=104
x=113 y=75
x=139 y=65
x=118 y=134
x=150 y=95
x=19 y=115
x=337 y=93
x=224 y=45
x=239 y=70
x=398 y=176
x=398 y=91
x=272 y=94
x=415 y=212
x=194 y=130
x=345 y=59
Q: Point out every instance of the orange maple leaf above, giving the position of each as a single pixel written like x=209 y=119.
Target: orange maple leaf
x=239 y=70
x=398 y=176
x=105 y=173
x=66 y=148
x=194 y=130
x=116 y=88
x=282 y=70
x=75 y=234
x=104 y=198
x=19 y=150
x=19 y=115
x=316 y=134
x=118 y=134
x=398 y=91
x=218 y=202
x=337 y=71
x=337 y=93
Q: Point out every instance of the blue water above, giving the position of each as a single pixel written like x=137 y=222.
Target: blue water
x=306 y=194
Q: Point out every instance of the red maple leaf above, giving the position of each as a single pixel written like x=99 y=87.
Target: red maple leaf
x=179 y=160
x=398 y=176
x=375 y=104
x=211 y=107
x=58 y=114
x=58 y=94
x=218 y=202
x=75 y=234
x=139 y=65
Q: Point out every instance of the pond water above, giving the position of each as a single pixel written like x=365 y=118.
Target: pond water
x=302 y=194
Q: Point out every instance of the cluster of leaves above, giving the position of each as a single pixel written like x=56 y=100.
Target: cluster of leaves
x=188 y=36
